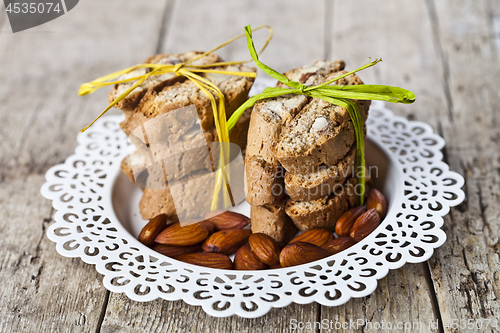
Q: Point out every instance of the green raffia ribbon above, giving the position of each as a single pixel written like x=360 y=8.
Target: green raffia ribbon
x=334 y=94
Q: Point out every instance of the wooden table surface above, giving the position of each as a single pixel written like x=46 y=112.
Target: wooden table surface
x=445 y=51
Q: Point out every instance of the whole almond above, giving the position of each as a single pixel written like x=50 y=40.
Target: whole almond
x=377 y=200
x=190 y=234
x=318 y=236
x=227 y=220
x=226 y=241
x=365 y=224
x=339 y=244
x=152 y=229
x=212 y=260
x=172 y=251
x=301 y=253
x=346 y=221
x=246 y=260
x=265 y=248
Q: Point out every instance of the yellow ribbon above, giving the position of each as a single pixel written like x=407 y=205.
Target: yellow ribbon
x=208 y=88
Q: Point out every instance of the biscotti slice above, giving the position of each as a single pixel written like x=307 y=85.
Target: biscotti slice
x=181 y=94
x=191 y=197
x=271 y=115
x=156 y=82
x=272 y=220
x=323 y=212
x=322 y=181
x=155 y=202
x=264 y=175
x=322 y=133
x=263 y=181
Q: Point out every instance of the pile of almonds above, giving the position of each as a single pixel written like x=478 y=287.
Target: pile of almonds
x=209 y=243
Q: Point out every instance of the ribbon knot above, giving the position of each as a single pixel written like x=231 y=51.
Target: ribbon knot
x=194 y=74
x=338 y=95
x=301 y=88
x=177 y=67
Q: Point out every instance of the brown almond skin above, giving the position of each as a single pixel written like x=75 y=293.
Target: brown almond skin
x=346 y=221
x=226 y=241
x=213 y=213
x=212 y=260
x=152 y=229
x=301 y=253
x=227 y=220
x=338 y=245
x=246 y=260
x=377 y=200
x=365 y=224
x=317 y=236
x=265 y=248
x=173 y=251
x=210 y=226
x=176 y=235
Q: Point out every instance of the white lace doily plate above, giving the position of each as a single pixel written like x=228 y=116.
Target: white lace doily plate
x=97 y=220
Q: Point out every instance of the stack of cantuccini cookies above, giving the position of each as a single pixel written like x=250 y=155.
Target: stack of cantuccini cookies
x=160 y=95
x=300 y=157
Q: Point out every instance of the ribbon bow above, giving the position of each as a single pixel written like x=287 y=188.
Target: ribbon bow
x=191 y=72
x=334 y=94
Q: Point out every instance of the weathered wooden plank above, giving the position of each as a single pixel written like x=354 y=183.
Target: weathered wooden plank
x=400 y=33
x=401 y=303
x=465 y=269
x=124 y=315
x=298 y=29
x=494 y=11
x=42 y=291
x=203 y=25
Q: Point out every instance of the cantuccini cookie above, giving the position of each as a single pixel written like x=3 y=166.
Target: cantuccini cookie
x=181 y=94
x=322 y=180
x=309 y=137
x=321 y=133
x=156 y=82
x=189 y=142
x=323 y=212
